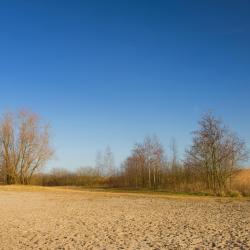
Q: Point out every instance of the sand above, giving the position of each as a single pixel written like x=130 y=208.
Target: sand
x=68 y=219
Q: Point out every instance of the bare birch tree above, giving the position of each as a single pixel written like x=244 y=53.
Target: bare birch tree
x=108 y=162
x=175 y=170
x=105 y=163
x=144 y=166
x=99 y=163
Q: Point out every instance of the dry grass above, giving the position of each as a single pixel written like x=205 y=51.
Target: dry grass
x=243 y=176
x=241 y=182
x=98 y=192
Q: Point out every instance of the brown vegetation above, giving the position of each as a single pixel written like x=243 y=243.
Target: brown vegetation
x=211 y=164
x=241 y=182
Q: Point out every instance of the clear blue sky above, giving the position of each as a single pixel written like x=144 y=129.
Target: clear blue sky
x=110 y=72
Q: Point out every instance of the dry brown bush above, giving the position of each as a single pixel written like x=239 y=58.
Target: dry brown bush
x=241 y=181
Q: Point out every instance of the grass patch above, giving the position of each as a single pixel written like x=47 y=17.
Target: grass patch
x=140 y=191
x=150 y=192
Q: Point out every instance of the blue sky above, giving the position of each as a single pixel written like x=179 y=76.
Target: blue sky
x=110 y=72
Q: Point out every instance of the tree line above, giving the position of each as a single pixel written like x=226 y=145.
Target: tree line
x=209 y=165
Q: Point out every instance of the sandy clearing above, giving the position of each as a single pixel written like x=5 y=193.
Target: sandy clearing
x=40 y=218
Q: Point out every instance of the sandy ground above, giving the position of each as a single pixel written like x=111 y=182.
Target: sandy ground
x=64 y=219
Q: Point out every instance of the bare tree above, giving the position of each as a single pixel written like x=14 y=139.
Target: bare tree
x=144 y=167
x=105 y=163
x=215 y=153
x=154 y=154
x=175 y=168
x=24 y=147
x=108 y=162
x=174 y=154
x=99 y=163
